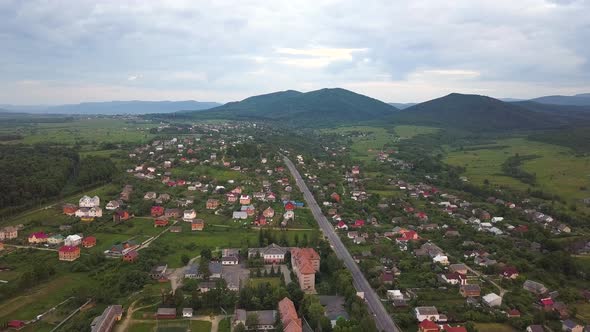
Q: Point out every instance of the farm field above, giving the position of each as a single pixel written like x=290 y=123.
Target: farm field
x=83 y=131
x=406 y=131
x=557 y=169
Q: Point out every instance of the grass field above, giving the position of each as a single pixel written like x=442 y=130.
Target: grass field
x=583 y=311
x=557 y=170
x=224 y=325
x=493 y=327
x=274 y=281
x=93 y=130
x=405 y=132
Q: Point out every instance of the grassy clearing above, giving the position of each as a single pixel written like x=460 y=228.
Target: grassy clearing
x=493 y=327
x=93 y=130
x=558 y=170
x=367 y=141
x=405 y=132
x=583 y=311
x=224 y=325
x=142 y=327
x=41 y=298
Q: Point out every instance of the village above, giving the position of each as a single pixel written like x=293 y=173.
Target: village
x=212 y=222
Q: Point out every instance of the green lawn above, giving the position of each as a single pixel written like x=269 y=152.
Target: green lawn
x=224 y=325
x=558 y=170
x=493 y=327
x=583 y=311
x=142 y=327
x=274 y=281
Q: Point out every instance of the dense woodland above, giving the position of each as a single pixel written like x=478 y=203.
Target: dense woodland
x=39 y=173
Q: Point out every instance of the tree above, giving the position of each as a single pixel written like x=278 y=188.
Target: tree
x=204 y=269
x=185 y=259
x=240 y=327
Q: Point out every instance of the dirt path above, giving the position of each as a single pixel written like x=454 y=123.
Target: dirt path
x=124 y=324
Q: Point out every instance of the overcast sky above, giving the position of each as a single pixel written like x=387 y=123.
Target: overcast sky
x=398 y=51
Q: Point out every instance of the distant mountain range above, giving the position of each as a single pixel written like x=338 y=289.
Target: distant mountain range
x=315 y=108
x=114 y=107
x=582 y=99
x=402 y=106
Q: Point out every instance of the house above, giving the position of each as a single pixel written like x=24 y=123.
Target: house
x=408 y=235
x=426 y=313
x=88 y=213
x=305 y=263
x=89 y=242
x=215 y=270
x=249 y=209
x=230 y=260
x=106 y=321
x=130 y=256
x=569 y=325
x=175 y=229
x=73 y=240
x=428 y=326
x=191 y=272
x=245 y=199
x=289 y=206
x=16 y=324
x=289 y=215
x=268 y=212
x=240 y=215
x=342 y=225
x=55 y=239
x=160 y=222
x=272 y=254
x=69 y=209
x=38 y=237
x=159 y=272
x=335 y=197
x=288 y=315
x=260 y=220
x=157 y=211
x=172 y=213
x=509 y=272
x=266 y=319
x=334 y=308
x=166 y=313
x=492 y=300
x=69 y=253
x=358 y=223
x=189 y=215
x=198 y=225
x=387 y=277
x=535 y=287
x=112 y=205
x=441 y=259
x=231 y=197
x=8 y=233
x=123 y=215
x=454 y=278
x=205 y=286
x=470 y=290
x=212 y=204
x=513 y=313
x=150 y=196
x=187 y=312
x=89 y=202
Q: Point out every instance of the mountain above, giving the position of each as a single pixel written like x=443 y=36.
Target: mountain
x=582 y=99
x=475 y=113
x=315 y=108
x=402 y=106
x=572 y=113
x=115 y=107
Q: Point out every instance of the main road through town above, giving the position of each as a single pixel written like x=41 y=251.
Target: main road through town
x=382 y=318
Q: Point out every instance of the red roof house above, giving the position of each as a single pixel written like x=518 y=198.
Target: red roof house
x=89 y=242
x=16 y=324
x=69 y=253
x=335 y=197
x=448 y=328
x=157 y=211
x=428 y=326
x=289 y=206
x=358 y=223
x=160 y=223
x=130 y=256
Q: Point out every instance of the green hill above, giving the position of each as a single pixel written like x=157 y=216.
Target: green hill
x=315 y=108
x=475 y=113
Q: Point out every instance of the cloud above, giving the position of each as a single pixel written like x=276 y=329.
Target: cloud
x=419 y=48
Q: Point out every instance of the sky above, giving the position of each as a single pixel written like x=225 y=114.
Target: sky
x=54 y=52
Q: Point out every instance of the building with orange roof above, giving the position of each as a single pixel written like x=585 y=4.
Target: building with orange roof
x=305 y=263
x=69 y=253
x=291 y=322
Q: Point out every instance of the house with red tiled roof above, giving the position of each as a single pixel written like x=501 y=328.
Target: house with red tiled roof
x=305 y=263
x=130 y=256
x=448 y=328
x=89 y=242
x=69 y=253
x=291 y=322
x=157 y=211
x=428 y=326
x=38 y=237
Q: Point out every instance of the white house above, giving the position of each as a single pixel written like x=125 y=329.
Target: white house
x=112 y=205
x=89 y=202
x=492 y=300
x=189 y=215
x=442 y=259
x=187 y=312
x=240 y=215
x=395 y=294
x=496 y=219
x=94 y=212
x=429 y=313
x=73 y=240
x=289 y=215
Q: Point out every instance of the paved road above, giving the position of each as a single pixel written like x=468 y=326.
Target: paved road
x=382 y=318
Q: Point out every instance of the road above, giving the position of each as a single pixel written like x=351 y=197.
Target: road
x=383 y=320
